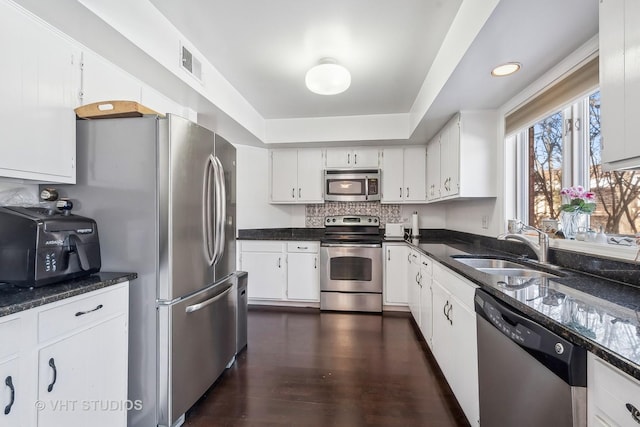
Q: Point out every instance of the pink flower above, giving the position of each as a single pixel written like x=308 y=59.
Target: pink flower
x=590 y=195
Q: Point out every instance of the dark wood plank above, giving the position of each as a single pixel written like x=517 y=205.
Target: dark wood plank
x=311 y=368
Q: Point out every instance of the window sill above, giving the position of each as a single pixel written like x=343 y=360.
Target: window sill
x=620 y=252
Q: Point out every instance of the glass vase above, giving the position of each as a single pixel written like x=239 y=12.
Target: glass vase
x=572 y=222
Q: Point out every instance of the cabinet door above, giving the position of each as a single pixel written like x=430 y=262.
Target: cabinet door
x=631 y=77
x=415 y=164
x=463 y=377
x=284 y=175
x=339 y=158
x=392 y=175
x=310 y=176
x=38 y=122
x=433 y=169
x=303 y=276
x=453 y=158
x=365 y=158
x=395 y=274
x=426 y=305
x=441 y=338
x=82 y=379
x=12 y=394
x=267 y=272
x=413 y=285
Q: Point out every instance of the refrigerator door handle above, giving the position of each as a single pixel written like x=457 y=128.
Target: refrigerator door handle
x=208 y=242
x=203 y=304
x=221 y=210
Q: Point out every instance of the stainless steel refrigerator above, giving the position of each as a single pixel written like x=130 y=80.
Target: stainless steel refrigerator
x=162 y=191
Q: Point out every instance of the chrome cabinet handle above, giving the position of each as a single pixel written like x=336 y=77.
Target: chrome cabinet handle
x=449 y=311
x=82 y=313
x=9 y=383
x=52 y=363
x=400 y=192
x=444 y=309
x=425 y=264
x=279 y=262
x=299 y=193
x=303 y=247
x=635 y=413
x=293 y=193
x=348 y=158
x=418 y=278
x=407 y=192
x=355 y=159
x=388 y=254
x=315 y=262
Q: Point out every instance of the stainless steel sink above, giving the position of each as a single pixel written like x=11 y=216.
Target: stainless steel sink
x=501 y=267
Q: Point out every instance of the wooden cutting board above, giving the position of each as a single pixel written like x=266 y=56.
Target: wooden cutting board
x=113 y=109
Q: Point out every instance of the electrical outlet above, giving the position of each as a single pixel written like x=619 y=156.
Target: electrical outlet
x=485 y=221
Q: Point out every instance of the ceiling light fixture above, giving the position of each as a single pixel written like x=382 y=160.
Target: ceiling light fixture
x=506 y=69
x=328 y=78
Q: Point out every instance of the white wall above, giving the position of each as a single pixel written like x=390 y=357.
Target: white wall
x=253 y=207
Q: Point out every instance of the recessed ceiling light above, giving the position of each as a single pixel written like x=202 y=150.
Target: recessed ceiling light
x=328 y=78
x=506 y=69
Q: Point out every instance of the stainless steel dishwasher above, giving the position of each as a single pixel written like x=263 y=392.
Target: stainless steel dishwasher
x=528 y=375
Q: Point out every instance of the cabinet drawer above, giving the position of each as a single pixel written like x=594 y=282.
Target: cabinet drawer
x=76 y=314
x=426 y=264
x=612 y=391
x=262 y=246
x=310 y=247
x=9 y=336
x=459 y=287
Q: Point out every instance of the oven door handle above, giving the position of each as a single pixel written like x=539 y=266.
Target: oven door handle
x=350 y=245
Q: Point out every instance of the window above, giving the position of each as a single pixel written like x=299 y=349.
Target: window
x=562 y=150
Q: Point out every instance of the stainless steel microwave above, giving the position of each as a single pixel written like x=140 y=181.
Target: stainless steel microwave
x=349 y=185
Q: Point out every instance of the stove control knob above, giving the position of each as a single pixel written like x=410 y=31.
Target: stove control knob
x=328 y=219
x=369 y=219
x=375 y=219
x=334 y=220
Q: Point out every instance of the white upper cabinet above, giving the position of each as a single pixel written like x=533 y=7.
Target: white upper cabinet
x=461 y=157
x=619 y=82
x=352 y=158
x=296 y=176
x=404 y=174
x=41 y=72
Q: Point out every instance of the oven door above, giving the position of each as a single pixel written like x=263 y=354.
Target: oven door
x=348 y=267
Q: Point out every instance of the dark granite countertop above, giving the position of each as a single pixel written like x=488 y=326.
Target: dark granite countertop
x=281 y=234
x=14 y=299
x=600 y=315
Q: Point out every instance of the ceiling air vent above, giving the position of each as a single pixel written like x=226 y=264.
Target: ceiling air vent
x=191 y=63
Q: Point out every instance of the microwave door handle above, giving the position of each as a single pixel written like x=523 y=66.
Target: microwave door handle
x=207 y=220
x=366 y=188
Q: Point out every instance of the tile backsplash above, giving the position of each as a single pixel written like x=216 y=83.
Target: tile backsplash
x=315 y=214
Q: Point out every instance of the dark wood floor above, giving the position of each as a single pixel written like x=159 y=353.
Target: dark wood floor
x=305 y=368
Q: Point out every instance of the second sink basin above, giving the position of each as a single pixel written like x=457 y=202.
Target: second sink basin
x=501 y=267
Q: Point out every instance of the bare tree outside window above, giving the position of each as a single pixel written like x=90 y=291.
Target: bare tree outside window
x=617 y=193
x=545 y=169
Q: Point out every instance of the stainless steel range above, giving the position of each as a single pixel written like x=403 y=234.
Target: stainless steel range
x=351 y=264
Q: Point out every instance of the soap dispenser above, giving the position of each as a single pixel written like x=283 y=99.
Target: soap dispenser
x=601 y=237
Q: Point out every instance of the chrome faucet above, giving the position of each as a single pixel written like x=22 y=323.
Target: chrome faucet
x=541 y=249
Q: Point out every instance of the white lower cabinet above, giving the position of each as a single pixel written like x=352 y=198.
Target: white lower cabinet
x=303 y=271
x=426 y=299
x=414 y=284
x=66 y=364
x=613 y=397
x=395 y=273
x=281 y=271
x=455 y=339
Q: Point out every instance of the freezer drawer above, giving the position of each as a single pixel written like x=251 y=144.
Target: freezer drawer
x=197 y=341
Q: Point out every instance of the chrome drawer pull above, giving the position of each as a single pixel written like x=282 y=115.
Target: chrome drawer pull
x=82 y=313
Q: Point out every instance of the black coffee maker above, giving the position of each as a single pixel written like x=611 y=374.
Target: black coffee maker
x=40 y=246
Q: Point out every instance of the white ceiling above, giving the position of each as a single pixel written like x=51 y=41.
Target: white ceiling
x=264 y=48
